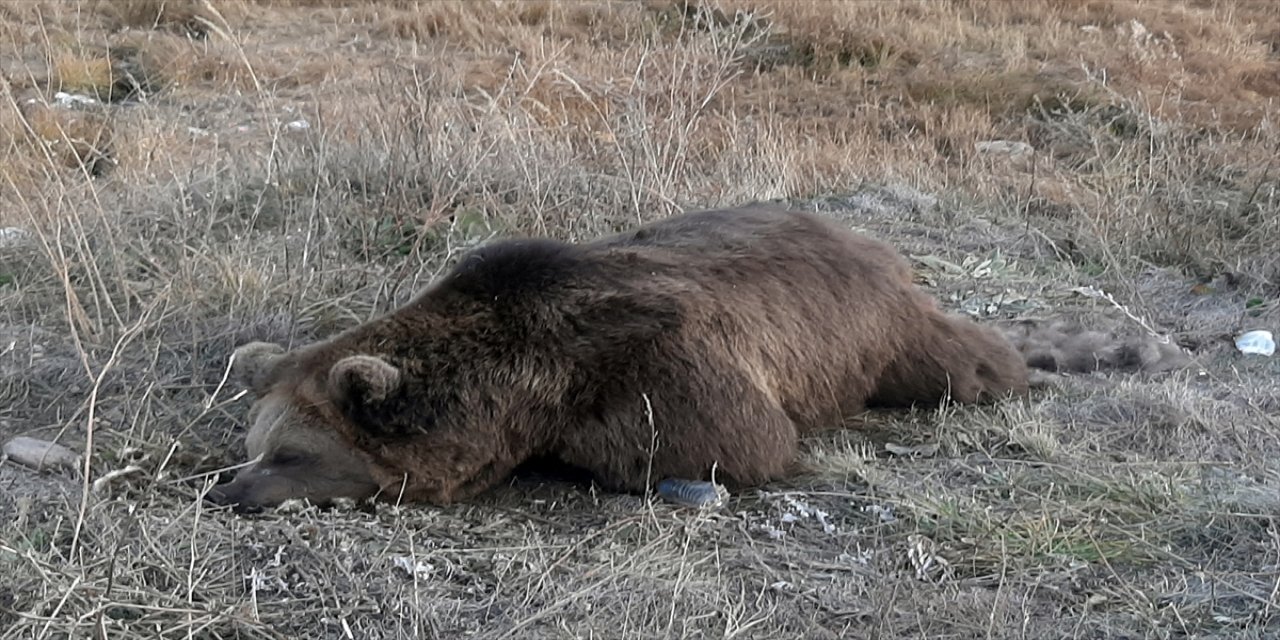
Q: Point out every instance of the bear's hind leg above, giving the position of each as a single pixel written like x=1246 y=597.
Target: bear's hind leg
x=951 y=356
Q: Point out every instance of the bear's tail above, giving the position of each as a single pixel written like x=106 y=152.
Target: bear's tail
x=1064 y=347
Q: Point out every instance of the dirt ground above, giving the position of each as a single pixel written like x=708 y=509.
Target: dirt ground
x=177 y=178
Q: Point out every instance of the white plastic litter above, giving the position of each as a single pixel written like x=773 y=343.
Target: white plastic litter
x=65 y=99
x=15 y=237
x=1260 y=343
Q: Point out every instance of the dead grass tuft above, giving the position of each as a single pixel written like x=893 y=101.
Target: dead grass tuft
x=72 y=137
x=215 y=65
x=184 y=17
x=111 y=76
x=1007 y=95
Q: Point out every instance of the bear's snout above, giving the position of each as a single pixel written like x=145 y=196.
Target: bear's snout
x=231 y=494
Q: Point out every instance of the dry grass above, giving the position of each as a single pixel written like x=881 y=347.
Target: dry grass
x=281 y=169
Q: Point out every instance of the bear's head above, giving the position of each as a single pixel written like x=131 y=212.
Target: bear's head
x=301 y=440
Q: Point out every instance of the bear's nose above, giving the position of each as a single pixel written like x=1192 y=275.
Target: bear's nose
x=219 y=495
x=230 y=495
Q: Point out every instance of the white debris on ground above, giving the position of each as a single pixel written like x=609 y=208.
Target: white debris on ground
x=860 y=557
x=1011 y=148
x=117 y=477
x=40 y=454
x=910 y=451
x=883 y=512
x=802 y=510
x=412 y=567
x=72 y=100
x=796 y=510
x=262 y=583
x=1258 y=343
x=12 y=237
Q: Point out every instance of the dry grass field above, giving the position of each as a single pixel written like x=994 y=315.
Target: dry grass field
x=178 y=177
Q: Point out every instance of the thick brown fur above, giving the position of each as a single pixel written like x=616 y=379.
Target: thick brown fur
x=710 y=340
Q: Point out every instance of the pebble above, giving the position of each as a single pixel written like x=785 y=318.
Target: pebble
x=40 y=454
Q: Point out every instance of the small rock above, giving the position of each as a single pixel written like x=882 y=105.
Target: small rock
x=299 y=125
x=1010 y=148
x=40 y=454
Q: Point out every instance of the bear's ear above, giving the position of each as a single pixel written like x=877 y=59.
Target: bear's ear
x=251 y=363
x=357 y=381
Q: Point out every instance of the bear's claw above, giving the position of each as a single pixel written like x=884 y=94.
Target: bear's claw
x=692 y=493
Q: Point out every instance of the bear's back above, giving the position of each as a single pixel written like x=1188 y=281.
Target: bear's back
x=711 y=233
x=711 y=260
x=756 y=243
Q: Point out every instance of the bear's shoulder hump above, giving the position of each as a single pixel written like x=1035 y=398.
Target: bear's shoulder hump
x=516 y=265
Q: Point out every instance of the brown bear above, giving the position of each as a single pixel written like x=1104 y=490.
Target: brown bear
x=705 y=343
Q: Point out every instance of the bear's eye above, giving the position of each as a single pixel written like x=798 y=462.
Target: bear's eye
x=286 y=458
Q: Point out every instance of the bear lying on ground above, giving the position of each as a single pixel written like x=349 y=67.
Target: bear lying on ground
x=706 y=342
